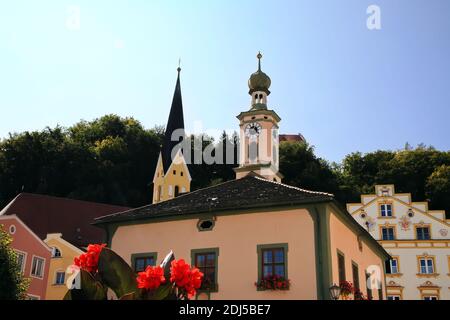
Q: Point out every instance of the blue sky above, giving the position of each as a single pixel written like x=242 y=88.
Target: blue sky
x=344 y=87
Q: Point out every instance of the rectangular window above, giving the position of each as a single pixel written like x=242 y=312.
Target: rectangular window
x=341 y=267
x=355 y=273
x=393 y=297
x=141 y=261
x=37 y=268
x=386 y=210
x=426 y=265
x=423 y=233
x=206 y=263
x=21 y=259
x=393 y=264
x=60 y=277
x=273 y=262
x=387 y=233
x=430 y=298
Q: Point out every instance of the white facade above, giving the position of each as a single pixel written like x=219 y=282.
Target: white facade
x=418 y=239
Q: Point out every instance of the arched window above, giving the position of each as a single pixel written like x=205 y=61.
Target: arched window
x=177 y=191
x=56 y=253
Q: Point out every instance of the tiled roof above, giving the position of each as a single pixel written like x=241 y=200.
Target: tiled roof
x=249 y=192
x=73 y=218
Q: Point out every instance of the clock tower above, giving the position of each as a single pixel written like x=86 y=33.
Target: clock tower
x=259 y=145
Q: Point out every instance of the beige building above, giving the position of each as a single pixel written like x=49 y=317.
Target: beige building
x=252 y=228
x=63 y=254
x=418 y=240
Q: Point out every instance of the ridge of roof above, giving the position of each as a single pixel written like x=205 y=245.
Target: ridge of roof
x=260 y=191
x=296 y=188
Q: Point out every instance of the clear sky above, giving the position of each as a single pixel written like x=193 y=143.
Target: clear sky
x=344 y=87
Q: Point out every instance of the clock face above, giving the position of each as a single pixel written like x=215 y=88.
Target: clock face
x=253 y=129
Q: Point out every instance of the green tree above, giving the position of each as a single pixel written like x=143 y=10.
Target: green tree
x=302 y=168
x=12 y=284
x=409 y=169
x=438 y=187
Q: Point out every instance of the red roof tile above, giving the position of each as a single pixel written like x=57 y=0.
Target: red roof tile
x=73 y=218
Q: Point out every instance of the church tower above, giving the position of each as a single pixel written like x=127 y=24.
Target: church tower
x=172 y=176
x=259 y=143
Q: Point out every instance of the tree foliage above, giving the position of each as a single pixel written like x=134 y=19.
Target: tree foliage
x=12 y=284
x=112 y=160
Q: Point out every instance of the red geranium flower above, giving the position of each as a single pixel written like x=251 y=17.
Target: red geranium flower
x=179 y=273
x=89 y=261
x=195 y=282
x=151 y=278
x=185 y=278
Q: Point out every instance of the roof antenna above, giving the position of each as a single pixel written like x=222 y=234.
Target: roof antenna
x=179 y=65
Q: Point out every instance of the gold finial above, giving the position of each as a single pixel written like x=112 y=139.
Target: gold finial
x=179 y=65
x=259 y=56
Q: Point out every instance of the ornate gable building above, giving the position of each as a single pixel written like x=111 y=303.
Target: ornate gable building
x=418 y=240
x=251 y=228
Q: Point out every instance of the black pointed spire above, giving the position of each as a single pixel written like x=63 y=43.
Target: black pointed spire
x=175 y=122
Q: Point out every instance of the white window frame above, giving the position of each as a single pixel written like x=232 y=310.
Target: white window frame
x=56 y=277
x=43 y=267
x=396 y=265
x=24 y=261
x=426 y=266
x=384 y=208
x=430 y=296
x=393 y=297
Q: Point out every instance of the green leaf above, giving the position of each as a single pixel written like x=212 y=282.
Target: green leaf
x=68 y=295
x=162 y=292
x=91 y=289
x=116 y=273
x=128 y=296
